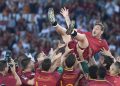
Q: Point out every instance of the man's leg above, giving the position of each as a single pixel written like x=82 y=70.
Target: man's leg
x=83 y=42
x=61 y=30
x=82 y=39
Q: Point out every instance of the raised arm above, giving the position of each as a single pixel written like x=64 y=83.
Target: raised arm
x=52 y=53
x=67 y=50
x=107 y=53
x=12 y=67
x=65 y=13
x=56 y=62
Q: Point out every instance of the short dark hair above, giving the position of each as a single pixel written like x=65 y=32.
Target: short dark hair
x=70 y=60
x=101 y=25
x=46 y=64
x=101 y=72
x=93 y=71
x=3 y=65
x=108 y=61
x=25 y=63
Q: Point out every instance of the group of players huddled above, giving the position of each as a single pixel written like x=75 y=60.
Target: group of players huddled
x=72 y=63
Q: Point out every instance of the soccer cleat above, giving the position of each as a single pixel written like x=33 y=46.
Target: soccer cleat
x=51 y=15
x=71 y=28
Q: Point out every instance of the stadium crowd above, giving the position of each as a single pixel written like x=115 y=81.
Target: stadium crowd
x=41 y=58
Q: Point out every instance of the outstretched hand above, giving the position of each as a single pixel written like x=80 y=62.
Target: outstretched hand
x=108 y=53
x=64 y=12
x=105 y=52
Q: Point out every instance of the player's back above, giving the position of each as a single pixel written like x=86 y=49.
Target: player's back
x=7 y=80
x=25 y=76
x=100 y=83
x=46 y=79
x=69 y=78
x=113 y=79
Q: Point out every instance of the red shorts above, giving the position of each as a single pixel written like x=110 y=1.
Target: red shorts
x=72 y=45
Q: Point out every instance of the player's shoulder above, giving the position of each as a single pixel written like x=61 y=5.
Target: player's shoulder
x=38 y=72
x=77 y=70
x=56 y=74
x=83 y=32
x=104 y=41
x=108 y=82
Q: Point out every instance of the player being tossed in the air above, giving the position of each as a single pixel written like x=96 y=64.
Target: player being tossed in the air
x=90 y=42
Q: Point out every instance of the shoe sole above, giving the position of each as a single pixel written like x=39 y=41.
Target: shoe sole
x=51 y=16
x=71 y=28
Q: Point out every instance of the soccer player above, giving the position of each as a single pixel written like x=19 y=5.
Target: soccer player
x=7 y=79
x=101 y=78
x=92 y=75
x=27 y=74
x=90 y=42
x=70 y=75
x=45 y=78
x=114 y=71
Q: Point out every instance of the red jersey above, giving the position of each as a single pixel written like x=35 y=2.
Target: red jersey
x=83 y=81
x=94 y=47
x=115 y=80
x=7 y=80
x=99 y=83
x=46 y=79
x=25 y=77
x=69 y=77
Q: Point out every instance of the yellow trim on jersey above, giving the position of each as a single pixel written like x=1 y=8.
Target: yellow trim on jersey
x=68 y=69
x=69 y=85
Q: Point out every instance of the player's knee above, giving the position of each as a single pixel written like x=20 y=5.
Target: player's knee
x=83 y=44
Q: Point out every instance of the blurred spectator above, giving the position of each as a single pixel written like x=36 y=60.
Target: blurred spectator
x=24 y=22
x=6 y=78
